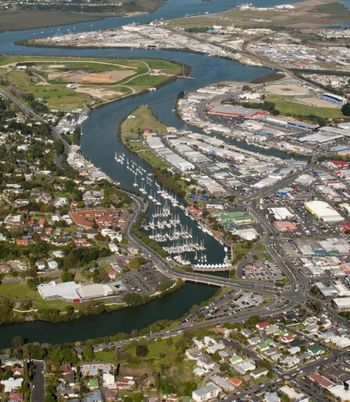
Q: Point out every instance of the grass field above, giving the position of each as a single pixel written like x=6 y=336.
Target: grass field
x=142 y=118
x=69 y=83
x=22 y=293
x=285 y=106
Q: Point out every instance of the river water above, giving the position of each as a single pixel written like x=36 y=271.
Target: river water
x=100 y=142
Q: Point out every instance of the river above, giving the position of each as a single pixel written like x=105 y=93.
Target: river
x=99 y=143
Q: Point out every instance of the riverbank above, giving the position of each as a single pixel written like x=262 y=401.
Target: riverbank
x=56 y=311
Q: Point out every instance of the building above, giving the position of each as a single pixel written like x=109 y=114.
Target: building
x=335 y=99
x=235 y=111
x=206 y=393
x=53 y=290
x=342 y=303
x=94 y=291
x=323 y=211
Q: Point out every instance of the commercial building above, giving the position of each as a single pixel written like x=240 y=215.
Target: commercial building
x=235 y=111
x=53 y=290
x=281 y=213
x=94 y=291
x=323 y=211
x=342 y=303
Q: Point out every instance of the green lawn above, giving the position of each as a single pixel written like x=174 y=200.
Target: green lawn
x=142 y=118
x=18 y=291
x=22 y=292
x=288 y=107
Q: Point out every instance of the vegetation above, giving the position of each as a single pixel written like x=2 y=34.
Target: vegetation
x=289 y=108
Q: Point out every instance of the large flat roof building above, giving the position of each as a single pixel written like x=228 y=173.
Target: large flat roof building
x=323 y=211
x=342 y=303
x=53 y=290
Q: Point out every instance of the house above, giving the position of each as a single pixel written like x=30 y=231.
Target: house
x=126 y=382
x=205 y=363
x=244 y=367
x=209 y=391
x=292 y=394
x=261 y=326
x=222 y=383
x=260 y=372
x=235 y=359
x=15 y=397
x=316 y=350
x=193 y=354
x=271 y=397
x=52 y=264
x=235 y=381
x=109 y=380
x=11 y=384
x=95 y=396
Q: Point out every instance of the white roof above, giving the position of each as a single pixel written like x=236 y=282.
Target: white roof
x=65 y=290
x=94 y=290
x=339 y=391
x=342 y=302
x=323 y=210
x=281 y=213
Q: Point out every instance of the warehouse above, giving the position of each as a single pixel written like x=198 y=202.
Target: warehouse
x=342 y=303
x=94 y=291
x=53 y=290
x=235 y=111
x=323 y=211
x=281 y=213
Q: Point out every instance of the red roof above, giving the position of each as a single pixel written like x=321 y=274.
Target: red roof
x=340 y=163
x=345 y=226
x=22 y=242
x=263 y=325
x=287 y=338
x=323 y=382
x=285 y=226
x=16 y=396
x=235 y=381
x=42 y=222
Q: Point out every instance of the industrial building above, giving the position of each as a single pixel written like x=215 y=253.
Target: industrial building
x=53 y=290
x=94 y=291
x=72 y=291
x=342 y=303
x=323 y=211
x=235 y=111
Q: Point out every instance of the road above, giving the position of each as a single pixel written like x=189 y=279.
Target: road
x=37 y=385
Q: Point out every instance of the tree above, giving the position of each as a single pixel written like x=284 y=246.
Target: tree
x=88 y=353
x=133 y=299
x=346 y=109
x=141 y=350
x=17 y=346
